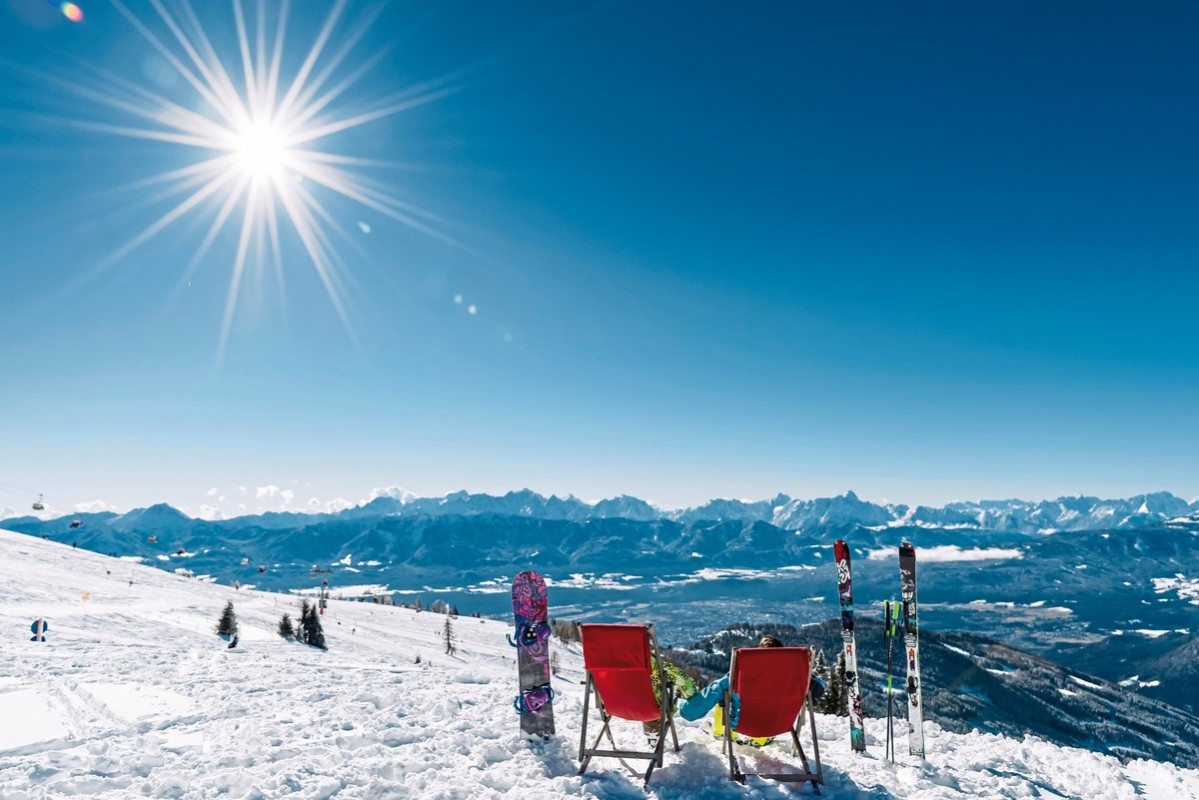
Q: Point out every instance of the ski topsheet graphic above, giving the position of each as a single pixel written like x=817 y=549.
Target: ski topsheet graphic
x=911 y=648
x=532 y=643
x=857 y=735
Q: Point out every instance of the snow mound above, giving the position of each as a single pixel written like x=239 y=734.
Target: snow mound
x=134 y=695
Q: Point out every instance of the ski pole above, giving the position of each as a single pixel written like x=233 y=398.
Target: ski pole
x=889 y=635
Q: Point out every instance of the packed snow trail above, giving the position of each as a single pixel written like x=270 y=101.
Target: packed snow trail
x=134 y=695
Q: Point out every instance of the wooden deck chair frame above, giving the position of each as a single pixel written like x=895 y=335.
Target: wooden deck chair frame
x=665 y=720
x=735 y=771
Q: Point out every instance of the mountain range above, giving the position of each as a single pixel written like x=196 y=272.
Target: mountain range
x=1112 y=591
x=783 y=512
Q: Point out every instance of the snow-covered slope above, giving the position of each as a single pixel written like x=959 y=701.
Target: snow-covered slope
x=133 y=695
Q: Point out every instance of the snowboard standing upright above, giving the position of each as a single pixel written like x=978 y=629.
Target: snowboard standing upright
x=532 y=643
x=857 y=734
x=911 y=647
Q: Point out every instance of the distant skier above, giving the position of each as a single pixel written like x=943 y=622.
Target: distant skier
x=233 y=642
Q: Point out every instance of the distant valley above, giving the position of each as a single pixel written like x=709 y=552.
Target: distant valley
x=1109 y=586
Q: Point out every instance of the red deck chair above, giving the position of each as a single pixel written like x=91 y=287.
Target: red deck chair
x=772 y=683
x=619 y=660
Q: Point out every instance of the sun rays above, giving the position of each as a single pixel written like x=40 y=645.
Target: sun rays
x=256 y=138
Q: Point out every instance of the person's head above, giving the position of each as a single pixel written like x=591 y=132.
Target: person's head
x=769 y=641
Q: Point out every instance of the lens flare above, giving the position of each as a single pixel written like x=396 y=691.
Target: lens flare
x=71 y=11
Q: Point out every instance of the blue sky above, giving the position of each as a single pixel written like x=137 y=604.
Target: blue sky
x=923 y=253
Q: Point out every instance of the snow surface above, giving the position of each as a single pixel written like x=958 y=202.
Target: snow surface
x=951 y=552
x=133 y=695
x=1188 y=589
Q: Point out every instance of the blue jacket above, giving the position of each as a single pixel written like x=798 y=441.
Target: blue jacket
x=699 y=705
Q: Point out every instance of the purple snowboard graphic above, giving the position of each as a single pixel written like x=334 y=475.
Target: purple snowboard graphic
x=532 y=643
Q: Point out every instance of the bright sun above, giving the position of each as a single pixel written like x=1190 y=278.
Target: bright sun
x=261 y=150
x=260 y=135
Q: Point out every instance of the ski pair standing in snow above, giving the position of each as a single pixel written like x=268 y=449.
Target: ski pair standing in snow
x=857 y=733
x=532 y=643
x=911 y=646
x=911 y=638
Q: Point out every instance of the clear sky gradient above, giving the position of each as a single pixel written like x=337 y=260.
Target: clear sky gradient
x=923 y=252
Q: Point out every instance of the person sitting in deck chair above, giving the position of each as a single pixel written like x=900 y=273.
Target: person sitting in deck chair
x=697 y=707
x=684 y=687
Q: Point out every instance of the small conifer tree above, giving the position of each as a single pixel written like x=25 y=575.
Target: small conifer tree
x=227 y=625
x=820 y=666
x=447 y=635
x=555 y=663
x=310 y=625
x=836 y=697
x=302 y=629
x=286 y=629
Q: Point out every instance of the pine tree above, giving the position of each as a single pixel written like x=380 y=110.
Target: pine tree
x=820 y=666
x=836 y=697
x=555 y=663
x=447 y=635
x=286 y=629
x=310 y=626
x=227 y=625
x=302 y=628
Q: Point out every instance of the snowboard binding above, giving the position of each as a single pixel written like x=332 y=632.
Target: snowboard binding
x=532 y=701
x=530 y=635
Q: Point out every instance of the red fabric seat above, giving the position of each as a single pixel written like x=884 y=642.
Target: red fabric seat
x=772 y=683
x=618 y=658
